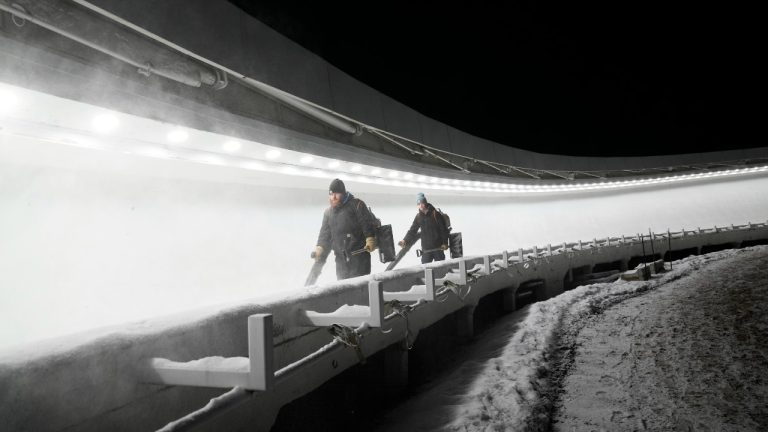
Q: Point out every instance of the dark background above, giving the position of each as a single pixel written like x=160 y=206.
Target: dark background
x=620 y=78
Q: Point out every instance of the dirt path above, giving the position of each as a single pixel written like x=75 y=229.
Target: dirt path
x=691 y=355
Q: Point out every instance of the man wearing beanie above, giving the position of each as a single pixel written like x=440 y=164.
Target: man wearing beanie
x=348 y=230
x=434 y=232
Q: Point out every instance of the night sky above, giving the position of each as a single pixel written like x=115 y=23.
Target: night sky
x=580 y=78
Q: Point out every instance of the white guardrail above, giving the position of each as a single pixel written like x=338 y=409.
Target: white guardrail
x=402 y=302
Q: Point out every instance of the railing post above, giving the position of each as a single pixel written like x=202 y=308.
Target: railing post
x=504 y=259
x=376 y=303
x=549 y=249
x=462 y=272
x=260 y=351
x=487 y=264
x=429 y=282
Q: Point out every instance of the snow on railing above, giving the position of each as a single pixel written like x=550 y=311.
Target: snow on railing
x=256 y=372
x=355 y=315
x=424 y=292
x=252 y=373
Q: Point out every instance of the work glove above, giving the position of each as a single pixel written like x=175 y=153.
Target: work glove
x=444 y=247
x=401 y=243
x=317 y=253
x=370 y=244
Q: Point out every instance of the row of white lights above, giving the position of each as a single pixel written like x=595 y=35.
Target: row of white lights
x=273 y=159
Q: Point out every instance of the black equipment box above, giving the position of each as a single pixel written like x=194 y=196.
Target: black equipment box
x=455 y=246
x=386 y=243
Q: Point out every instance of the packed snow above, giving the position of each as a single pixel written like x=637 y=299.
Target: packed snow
x=686 y=350
x=236 y=364
x=349 y=310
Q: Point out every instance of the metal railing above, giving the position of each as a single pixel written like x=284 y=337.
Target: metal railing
x=349 y=325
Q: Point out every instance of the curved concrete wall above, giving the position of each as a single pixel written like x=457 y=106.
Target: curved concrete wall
x=220 y=32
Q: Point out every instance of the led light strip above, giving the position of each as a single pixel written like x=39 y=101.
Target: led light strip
x=37 y=115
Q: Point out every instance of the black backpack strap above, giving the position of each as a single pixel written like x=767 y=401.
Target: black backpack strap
x=361 y=220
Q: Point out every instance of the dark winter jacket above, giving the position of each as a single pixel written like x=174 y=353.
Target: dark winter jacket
x=346 y=226
x=434 y=233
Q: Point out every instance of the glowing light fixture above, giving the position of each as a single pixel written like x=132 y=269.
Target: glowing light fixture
x=231 y=146
x=177 y=136
x=44 y=122
x=104 y=123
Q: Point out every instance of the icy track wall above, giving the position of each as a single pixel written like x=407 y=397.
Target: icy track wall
x=175 y=258
x=92 y=239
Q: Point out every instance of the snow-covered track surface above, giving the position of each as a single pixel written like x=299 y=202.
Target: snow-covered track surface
x=304 y=357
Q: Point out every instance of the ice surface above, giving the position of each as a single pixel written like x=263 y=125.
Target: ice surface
x=90 y=239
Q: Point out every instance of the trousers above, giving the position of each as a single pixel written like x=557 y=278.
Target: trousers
x=432 y=256
x=358 y=265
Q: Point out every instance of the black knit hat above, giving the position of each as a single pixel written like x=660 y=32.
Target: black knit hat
x=337 y=186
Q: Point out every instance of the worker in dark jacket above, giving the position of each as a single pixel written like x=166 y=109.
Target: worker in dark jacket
x=434 y=233
x=348 y=229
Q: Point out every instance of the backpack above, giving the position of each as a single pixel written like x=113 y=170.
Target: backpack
x=454 y=239
x=384 y=238
x=376 y=221
x=446 y=219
